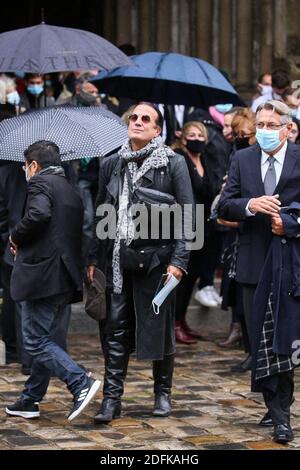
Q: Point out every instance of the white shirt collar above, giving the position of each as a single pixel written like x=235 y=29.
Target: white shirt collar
x=279 y=156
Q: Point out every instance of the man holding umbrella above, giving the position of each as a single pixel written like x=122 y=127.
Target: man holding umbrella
x=46 y=276
x=134 y=268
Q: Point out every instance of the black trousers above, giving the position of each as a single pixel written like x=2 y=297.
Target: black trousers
x=8 y=316
x=117 y=338
x=248 y=298
x=279 y=402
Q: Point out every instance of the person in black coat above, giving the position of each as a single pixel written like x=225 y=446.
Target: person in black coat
x=131 y=286
x=192 y=146
x=46 y=244
x=262 y=179
x=12 y=206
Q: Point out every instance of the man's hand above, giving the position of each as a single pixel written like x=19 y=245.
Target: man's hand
x=277 y=225
x=227 y=223
x=90 y=272
x=265 y=205
x=13 y=247
x=175 y=271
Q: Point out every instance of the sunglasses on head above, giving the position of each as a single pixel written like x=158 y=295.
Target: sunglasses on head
x=144 y=118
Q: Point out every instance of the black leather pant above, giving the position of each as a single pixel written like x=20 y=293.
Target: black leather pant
x=117 y=343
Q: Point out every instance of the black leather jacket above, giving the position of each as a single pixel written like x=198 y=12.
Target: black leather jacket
x=173 y=179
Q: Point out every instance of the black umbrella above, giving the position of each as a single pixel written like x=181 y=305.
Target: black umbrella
x=44 y=49
x=169 y=78
x=78 y=131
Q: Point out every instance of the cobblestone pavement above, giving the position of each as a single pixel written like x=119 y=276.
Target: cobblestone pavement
x=212 y=408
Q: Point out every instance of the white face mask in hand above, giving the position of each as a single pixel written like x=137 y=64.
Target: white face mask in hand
x=163 y=293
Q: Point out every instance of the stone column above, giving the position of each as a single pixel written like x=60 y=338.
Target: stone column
x=215 y=32
x=163 y=19
x=109 y=21
x=266 y=37
x=280 y=29
x=145 y=26
x=123 y=21
x=204 y=29
x=244 y=44
x=225 y=29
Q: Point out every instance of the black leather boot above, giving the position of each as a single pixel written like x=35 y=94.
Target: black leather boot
x=116 y=343
x=110 y=409
x=163 y=374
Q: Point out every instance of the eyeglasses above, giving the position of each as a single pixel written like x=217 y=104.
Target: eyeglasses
x=144 y=118
x=269 y=125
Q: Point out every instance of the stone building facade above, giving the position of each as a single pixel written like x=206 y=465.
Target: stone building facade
x=242 y=37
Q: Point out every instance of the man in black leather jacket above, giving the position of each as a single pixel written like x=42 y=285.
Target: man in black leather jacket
x=130 y=316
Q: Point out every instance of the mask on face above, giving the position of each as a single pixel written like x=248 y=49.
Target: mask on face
x=20 y=74
x=241 y=143
x=268 y=140
x=293 y=112
x=13 y=98
x=224 y=108
x=87 y=99
x=27 y=177
x=35 y=89
x=266 y=90
x=195 y=146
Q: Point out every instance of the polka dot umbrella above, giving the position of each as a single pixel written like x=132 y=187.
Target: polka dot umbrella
x=78 y=131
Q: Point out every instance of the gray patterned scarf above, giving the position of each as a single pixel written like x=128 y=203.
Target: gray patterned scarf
x=154 y=155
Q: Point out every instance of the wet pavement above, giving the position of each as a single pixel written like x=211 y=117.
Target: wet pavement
x=212 y=407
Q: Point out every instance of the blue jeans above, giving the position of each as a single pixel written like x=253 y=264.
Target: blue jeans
x=39 y=319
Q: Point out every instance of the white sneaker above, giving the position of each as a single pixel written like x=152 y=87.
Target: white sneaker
x=215 y=295
x=205 y=297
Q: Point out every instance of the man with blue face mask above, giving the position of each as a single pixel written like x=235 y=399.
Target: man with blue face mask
x=263 y=181
x=34 y=95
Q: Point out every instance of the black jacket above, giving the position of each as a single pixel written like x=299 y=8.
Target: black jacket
x=173 y=179
x=154 y=333
x=245 y=182
x=48 y=237
x=13 y=192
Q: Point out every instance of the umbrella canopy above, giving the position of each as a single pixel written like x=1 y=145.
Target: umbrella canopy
x=44 y=49
x=78 y=131
x=169 y=78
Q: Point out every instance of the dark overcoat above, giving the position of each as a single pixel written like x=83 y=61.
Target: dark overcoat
x=281 y=274
x=245 y=182
x=48 y=261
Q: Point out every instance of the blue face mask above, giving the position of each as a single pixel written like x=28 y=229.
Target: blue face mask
x=13 y=98
x=293 y=112
x=224 y=108
x=35 y=89
x=268 y=140
x=20 y=74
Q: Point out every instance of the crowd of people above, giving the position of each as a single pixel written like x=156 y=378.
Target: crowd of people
x=241 y=163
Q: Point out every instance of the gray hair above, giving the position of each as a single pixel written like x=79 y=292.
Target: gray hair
x=277 y=107
x=7 y=84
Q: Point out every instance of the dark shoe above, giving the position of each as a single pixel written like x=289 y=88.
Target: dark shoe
x=234 y=337
x=24 y=408
x=243 y=366
x=162 y=405
x=83 y=398
x=189 y=331
x=183 y=337
x=25 y=370
x=109 y=410
x=266 y=421
x=11 y=358
x=283 y=433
